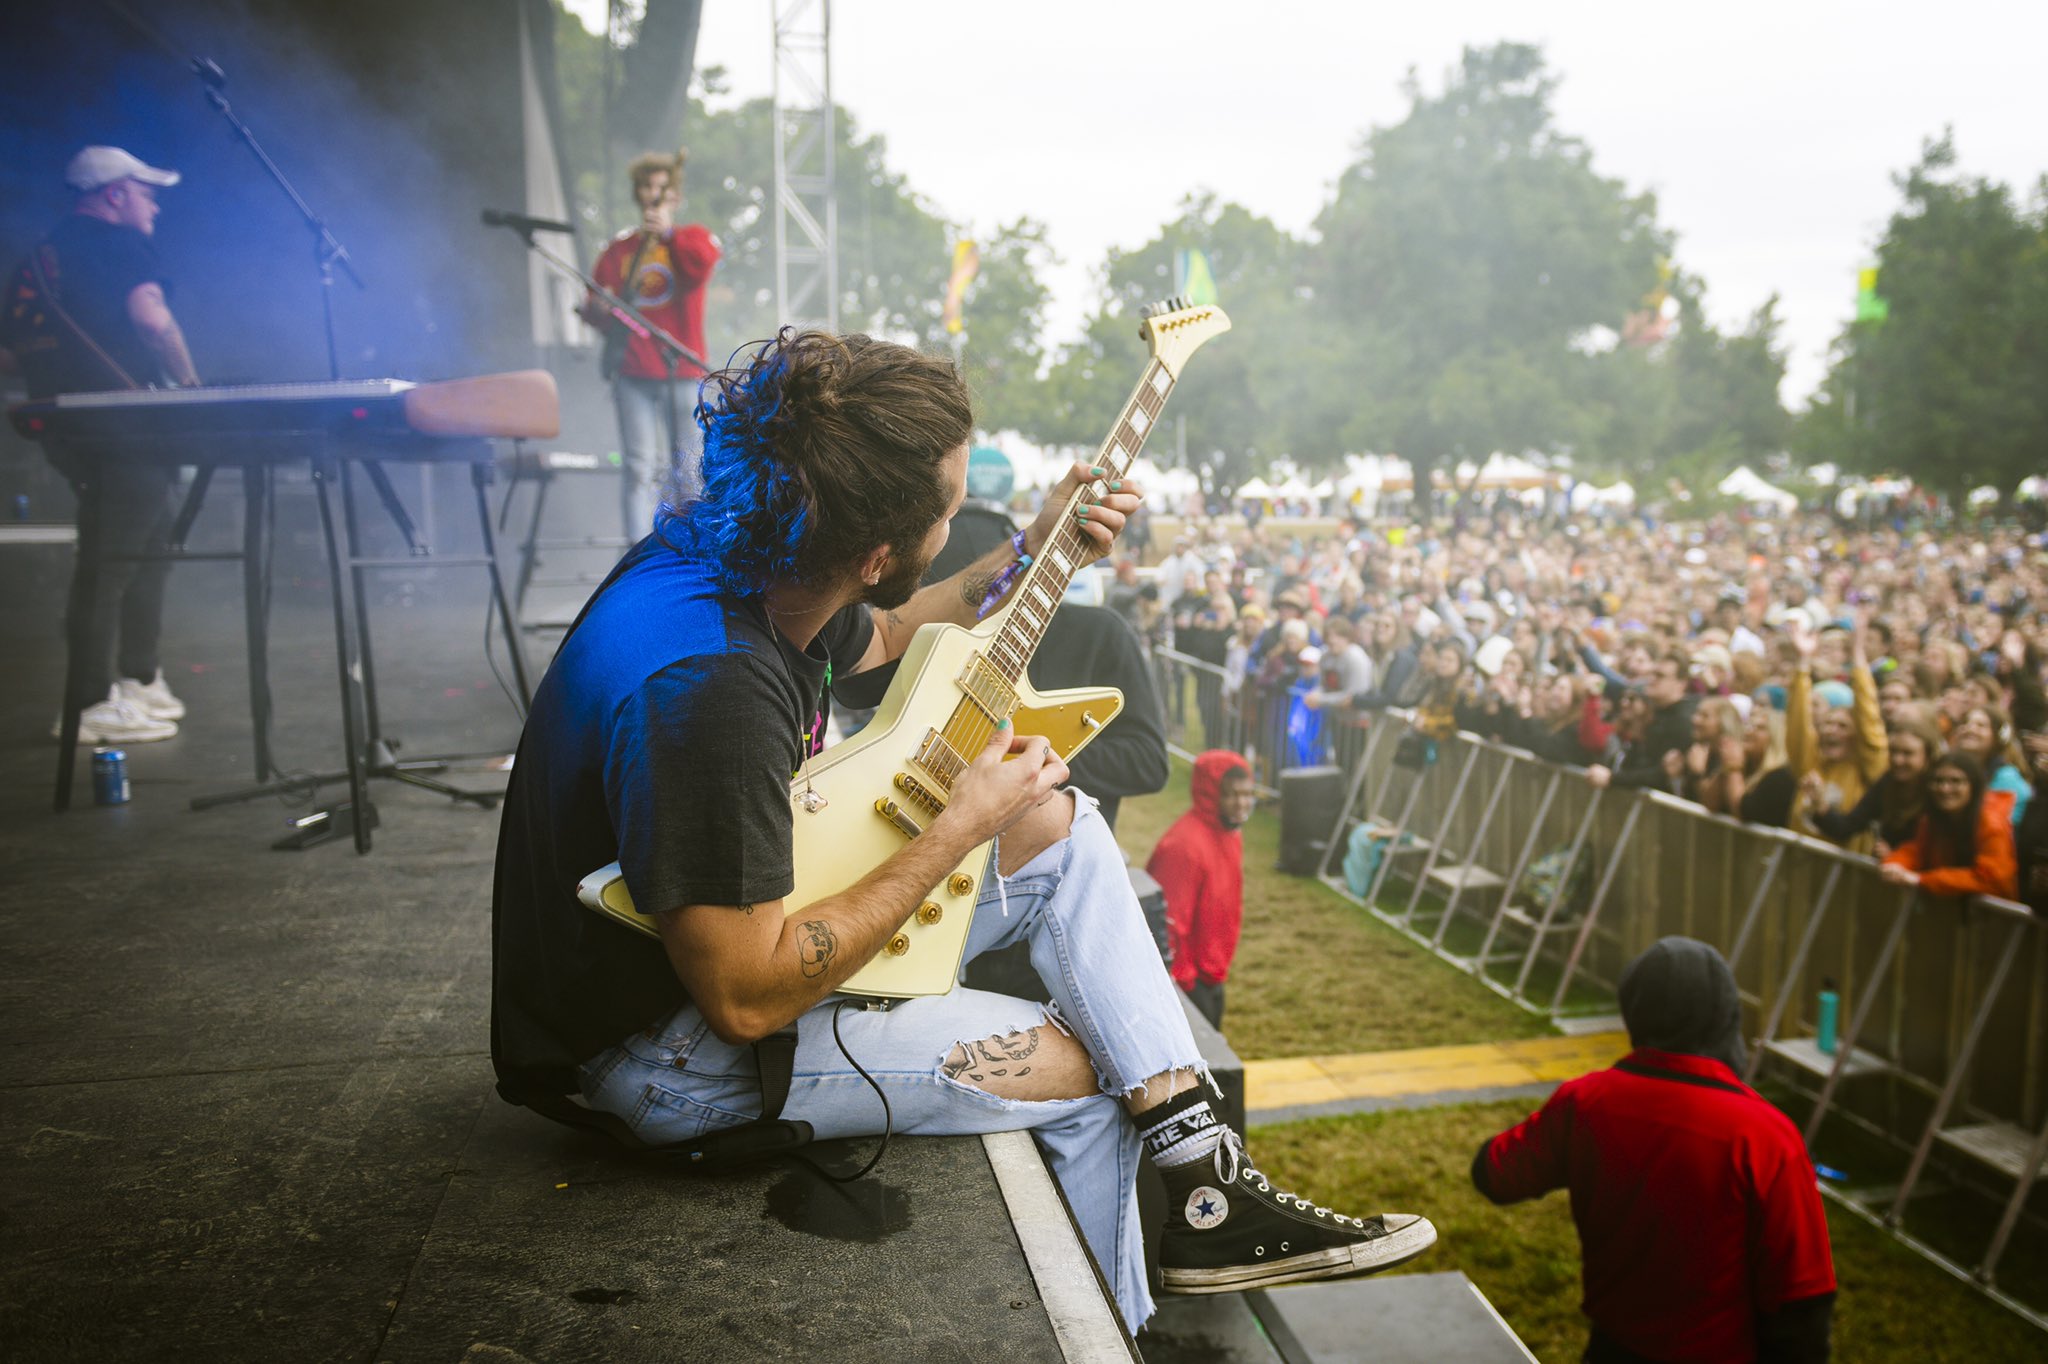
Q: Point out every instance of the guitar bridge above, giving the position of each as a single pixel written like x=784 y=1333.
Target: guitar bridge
x=900 y=817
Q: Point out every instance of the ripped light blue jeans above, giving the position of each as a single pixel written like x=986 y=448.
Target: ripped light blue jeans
x=1073 y=904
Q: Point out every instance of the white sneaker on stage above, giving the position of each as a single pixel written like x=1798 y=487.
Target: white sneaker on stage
x=117 y=720
x=153 y=698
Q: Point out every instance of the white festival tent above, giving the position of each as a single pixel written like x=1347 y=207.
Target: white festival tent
x=1585 y=495
x=1258 y=489
x=1750 y=487
x=1503 y=470
x=1173 y=483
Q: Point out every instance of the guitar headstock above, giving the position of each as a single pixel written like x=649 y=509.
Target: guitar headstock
x=1176 y=329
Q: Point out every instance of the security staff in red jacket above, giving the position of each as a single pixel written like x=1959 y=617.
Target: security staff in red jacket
x=1199 y=863
x=1701 y=1232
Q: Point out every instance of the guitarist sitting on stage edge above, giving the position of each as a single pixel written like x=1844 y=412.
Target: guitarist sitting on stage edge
x=661 y=269
x=666 y=735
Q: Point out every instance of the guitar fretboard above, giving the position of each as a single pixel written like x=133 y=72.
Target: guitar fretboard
x=1028 y=610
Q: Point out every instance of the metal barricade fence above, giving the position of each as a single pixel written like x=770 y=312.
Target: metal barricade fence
x=1266 y=723
x=1943 y=1043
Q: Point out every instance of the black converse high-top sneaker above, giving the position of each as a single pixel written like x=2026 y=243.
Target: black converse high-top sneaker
x=1229 y=1229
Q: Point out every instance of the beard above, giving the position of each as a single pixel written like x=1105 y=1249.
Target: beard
x=899 y=584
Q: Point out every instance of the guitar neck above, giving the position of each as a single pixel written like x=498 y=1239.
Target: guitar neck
x=986 y=692
x=1040 y=589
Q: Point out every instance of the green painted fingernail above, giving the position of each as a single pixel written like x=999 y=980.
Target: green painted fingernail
x=1097 y=470
x=1117 y=486
x=1003 y=723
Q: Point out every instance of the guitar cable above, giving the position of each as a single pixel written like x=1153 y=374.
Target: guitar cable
x=888 y=1118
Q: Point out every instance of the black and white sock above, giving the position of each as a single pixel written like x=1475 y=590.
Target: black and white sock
x=1182 y=1130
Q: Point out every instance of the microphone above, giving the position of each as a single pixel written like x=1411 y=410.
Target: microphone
x=520 y=222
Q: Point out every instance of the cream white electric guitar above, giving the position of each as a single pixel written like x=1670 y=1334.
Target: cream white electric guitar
x=864 y=797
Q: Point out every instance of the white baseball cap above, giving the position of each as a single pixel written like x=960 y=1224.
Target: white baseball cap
x=97 y=166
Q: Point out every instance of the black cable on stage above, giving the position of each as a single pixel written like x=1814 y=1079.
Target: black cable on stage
x=490 y=628
x=888 y=1118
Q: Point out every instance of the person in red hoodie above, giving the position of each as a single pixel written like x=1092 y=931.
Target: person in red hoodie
x=1199 y=863
x=660 y=268
x=1965 y=844
x=1702 y=1239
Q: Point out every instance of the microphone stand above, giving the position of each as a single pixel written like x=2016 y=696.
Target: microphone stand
x=369 y=754
x=673 y=352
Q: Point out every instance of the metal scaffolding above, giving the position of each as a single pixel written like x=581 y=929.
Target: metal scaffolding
x=806 y=137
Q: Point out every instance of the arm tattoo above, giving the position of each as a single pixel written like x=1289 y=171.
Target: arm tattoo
x=815 y=947
x=747 y=910
x=975 y=586
x=1005 y=1055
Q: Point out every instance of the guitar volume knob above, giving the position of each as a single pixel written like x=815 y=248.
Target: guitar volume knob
x=930 y=912
x=960 y=883
x=899 y=944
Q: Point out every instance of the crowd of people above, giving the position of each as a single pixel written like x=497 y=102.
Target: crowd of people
x=1879 y=687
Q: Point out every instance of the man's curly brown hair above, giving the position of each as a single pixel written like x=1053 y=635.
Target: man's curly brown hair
x=818 y=450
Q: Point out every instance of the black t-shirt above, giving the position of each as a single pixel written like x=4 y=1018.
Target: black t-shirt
x=664 y=737
x=99 y=264
x=1768 y=799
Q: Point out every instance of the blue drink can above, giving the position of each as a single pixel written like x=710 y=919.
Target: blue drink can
x=109 y=776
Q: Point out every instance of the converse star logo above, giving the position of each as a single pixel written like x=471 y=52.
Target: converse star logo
x=1207 y=1208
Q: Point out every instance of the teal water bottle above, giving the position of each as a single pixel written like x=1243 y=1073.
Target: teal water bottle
x=1830 y=1009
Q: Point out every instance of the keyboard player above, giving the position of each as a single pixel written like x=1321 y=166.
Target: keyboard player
x=88 y=312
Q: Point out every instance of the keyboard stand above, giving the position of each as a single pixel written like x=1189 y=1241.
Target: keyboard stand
x=372 y=755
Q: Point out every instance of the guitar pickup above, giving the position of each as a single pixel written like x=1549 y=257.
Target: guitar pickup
x=900 y=817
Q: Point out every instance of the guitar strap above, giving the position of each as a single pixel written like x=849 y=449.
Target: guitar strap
x=614 y=358
x=729 y=1148
x=47 y=286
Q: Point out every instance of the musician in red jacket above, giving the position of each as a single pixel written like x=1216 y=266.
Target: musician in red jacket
x=661 y=269
x=1199 y=863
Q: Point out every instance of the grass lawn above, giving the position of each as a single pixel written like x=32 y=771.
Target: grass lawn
x=1315 y=975
x=1893 y=1305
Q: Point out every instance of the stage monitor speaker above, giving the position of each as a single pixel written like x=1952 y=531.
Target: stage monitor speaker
x=1310 y=798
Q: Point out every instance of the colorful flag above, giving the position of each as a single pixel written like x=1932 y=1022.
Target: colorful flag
x=966 y=262
x=1191 y=277
x=1871 y=306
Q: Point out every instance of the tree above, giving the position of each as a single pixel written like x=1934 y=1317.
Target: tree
x=895 y=250
x=1694 y=404
x=1952 y=387
x=1464 y=260
x=1237 y=403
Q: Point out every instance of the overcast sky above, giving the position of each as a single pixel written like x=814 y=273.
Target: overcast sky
x=1769 y=131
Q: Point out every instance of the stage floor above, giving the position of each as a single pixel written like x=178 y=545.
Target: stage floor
x=247 y=1108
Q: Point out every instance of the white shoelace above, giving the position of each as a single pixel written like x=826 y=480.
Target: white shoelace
x=1231 y=1150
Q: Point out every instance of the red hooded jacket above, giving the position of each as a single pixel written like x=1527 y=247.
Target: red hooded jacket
x=1200 y=866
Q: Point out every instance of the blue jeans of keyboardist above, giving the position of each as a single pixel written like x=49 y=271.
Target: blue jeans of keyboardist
x=1073 y=904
